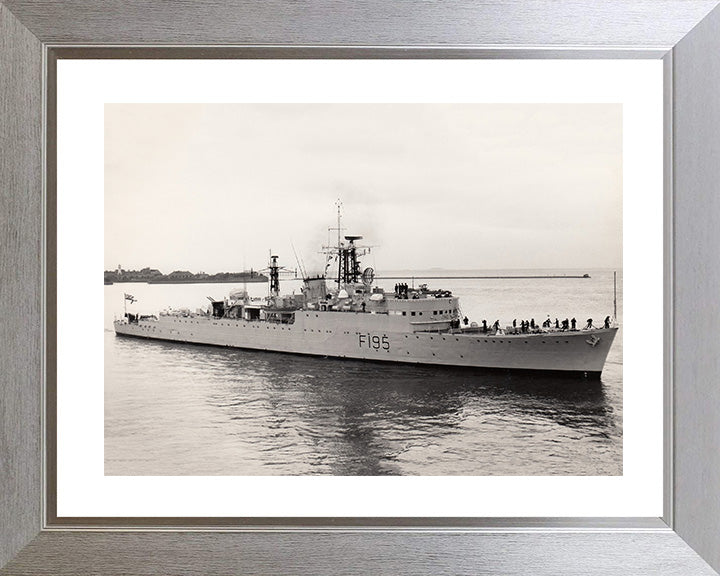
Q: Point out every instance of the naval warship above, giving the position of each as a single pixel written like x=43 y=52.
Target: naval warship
x=349 y=316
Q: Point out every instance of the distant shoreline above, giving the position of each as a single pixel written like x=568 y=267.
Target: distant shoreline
x=147 y=276
x=538 y=277
x=200 y=281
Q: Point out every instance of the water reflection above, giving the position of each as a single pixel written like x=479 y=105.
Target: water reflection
x=359 y=417
x=268 y=413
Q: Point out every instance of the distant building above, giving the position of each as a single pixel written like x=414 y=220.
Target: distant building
x=147 y=273
x=180 y=274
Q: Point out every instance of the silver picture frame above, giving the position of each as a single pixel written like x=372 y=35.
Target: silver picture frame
x=685 y=34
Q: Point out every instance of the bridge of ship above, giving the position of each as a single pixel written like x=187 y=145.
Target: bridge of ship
x=423 y=314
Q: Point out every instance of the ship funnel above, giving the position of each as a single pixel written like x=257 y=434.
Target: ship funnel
x=315 y=288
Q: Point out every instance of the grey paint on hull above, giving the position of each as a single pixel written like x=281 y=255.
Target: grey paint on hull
x=373 y=337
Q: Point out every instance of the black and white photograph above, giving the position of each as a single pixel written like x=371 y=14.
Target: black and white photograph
x=369 y=289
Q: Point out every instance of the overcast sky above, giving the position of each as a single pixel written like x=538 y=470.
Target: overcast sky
x=457 y=186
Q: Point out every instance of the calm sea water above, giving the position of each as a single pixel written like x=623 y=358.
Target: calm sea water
x=176 y=409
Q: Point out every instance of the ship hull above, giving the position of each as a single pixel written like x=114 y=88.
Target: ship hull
x=371 y=337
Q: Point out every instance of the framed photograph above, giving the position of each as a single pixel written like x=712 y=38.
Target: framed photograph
x=396 y=350
x=411 y=296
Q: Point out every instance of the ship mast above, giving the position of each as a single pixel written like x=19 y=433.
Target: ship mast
x=338 y=204
x=339 y=229
x=347 y=254
x=351 y=264
x=274 y=275
x=615 y=296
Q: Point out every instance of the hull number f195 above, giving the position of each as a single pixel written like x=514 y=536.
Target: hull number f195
x=374 y=341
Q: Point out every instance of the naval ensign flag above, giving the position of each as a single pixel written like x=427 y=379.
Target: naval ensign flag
x=132 y=300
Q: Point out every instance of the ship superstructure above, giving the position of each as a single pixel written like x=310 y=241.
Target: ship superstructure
x=351 y=317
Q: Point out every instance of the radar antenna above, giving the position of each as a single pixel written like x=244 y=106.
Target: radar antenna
x=347 y=254
x=368 y=276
